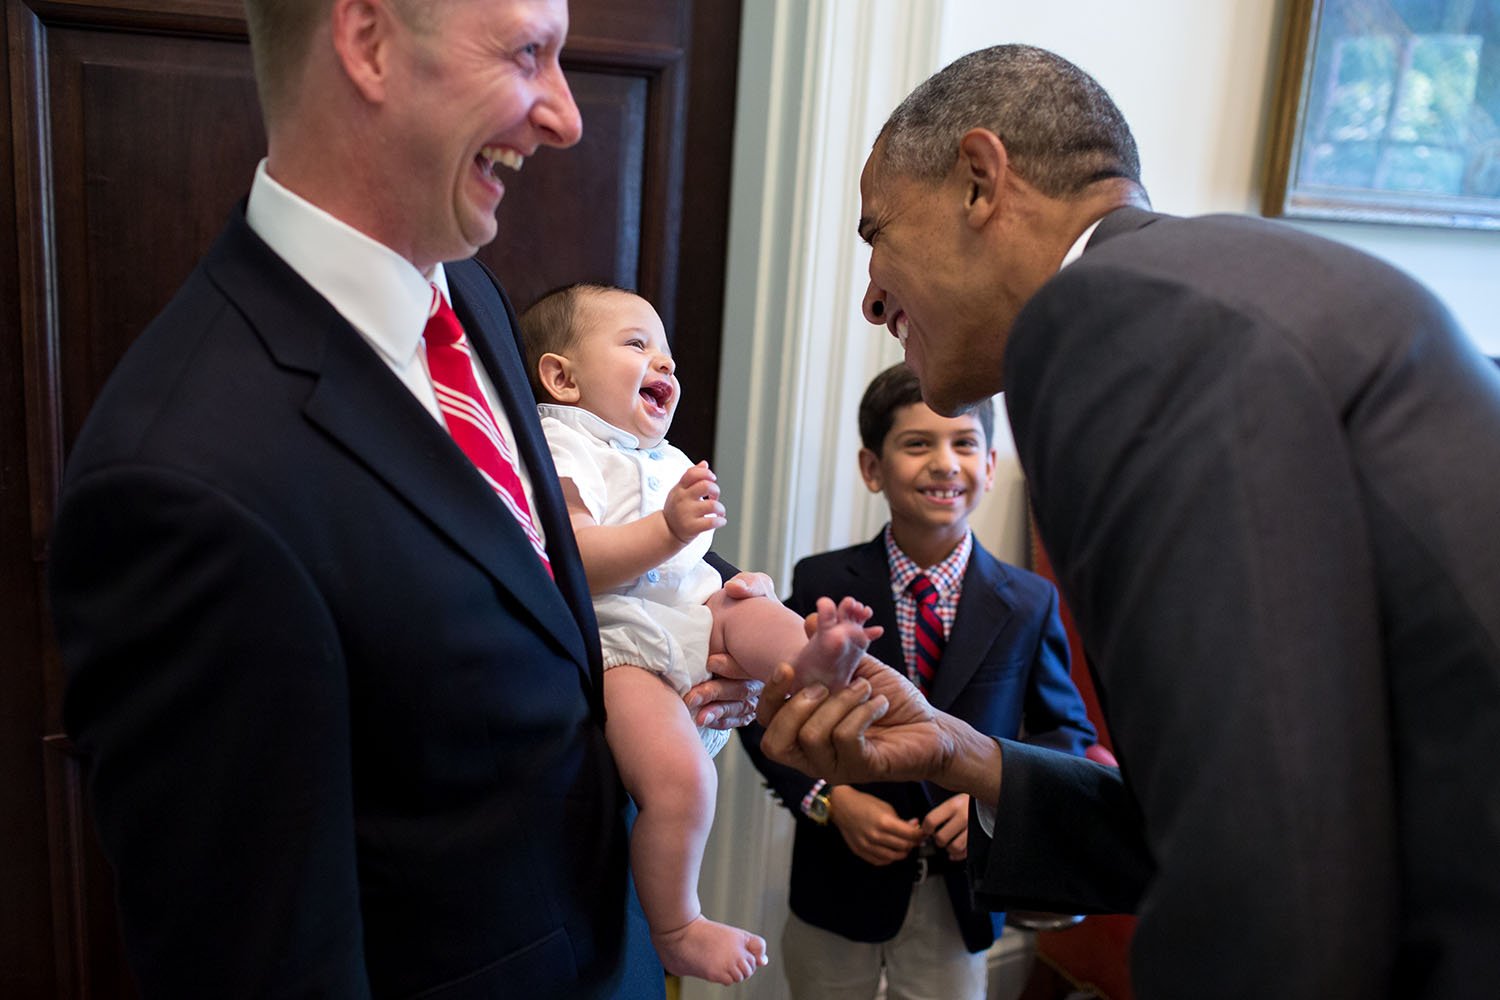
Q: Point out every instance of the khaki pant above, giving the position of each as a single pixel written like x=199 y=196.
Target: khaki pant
x=926 y=960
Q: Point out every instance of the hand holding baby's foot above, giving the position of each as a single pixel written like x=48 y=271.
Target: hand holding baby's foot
x=837 y=643
x=706 y=949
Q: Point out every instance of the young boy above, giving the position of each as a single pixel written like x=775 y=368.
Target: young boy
x=877 y=878
x=643 y=515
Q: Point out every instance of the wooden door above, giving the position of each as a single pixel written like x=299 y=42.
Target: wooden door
x=132 y=130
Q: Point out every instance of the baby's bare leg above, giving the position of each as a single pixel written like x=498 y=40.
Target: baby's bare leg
x=662 y=763
x=759 y=633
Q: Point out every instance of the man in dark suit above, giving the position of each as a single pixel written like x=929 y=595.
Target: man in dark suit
x=877 y=880
x=1264 y=466
x=338 y=690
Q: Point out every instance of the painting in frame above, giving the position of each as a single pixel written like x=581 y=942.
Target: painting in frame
x=1388 y=111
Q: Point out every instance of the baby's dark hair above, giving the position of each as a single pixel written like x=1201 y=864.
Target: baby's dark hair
x=894 y=388
x=550 y=326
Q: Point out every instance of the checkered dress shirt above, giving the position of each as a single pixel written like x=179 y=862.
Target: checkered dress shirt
x=947 y=577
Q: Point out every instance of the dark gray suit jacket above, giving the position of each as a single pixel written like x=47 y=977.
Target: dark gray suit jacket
x=1267 y=469
x=345 y=736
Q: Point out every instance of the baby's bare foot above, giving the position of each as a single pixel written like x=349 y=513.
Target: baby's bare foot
x=705 y=949
x=837 y=644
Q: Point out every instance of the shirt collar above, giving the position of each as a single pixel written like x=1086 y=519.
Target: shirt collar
x=377 y=290
x=1076 y=250
x=945 y=576
x=590 y=424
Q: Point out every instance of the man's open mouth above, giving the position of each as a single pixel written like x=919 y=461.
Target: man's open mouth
x=492 y=158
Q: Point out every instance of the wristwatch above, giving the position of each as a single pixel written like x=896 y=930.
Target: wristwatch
x=817 y=808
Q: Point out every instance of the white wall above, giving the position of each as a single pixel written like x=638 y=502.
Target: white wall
x=1196 y=81
x=816 y=80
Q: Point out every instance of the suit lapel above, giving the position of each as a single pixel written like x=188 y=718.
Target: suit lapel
x=360 y=403
x=984 y=610
x=497 y=341
x=869 y=580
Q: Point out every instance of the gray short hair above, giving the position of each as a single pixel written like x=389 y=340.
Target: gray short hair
x=1060 y=128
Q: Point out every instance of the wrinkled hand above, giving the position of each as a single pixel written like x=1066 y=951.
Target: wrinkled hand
x=871 y=827
x=877 y=729
x=948 y=826
x=722 y=703
x=743 y=585
x=692 y=506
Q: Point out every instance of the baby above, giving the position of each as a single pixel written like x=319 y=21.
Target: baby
x=644 y=515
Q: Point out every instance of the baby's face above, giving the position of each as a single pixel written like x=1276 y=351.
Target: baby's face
x=623 y=367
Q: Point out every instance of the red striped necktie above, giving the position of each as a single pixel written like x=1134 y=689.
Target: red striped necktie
x=468 y=416
x=930 y=638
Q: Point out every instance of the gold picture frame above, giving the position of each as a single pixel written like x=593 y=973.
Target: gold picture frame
x=1388 y=111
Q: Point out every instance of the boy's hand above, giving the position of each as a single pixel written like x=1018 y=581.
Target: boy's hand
x=948 y=826
x=693 y=506
x=871 y=827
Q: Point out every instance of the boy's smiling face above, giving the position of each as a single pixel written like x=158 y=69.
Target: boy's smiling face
x=934 y=470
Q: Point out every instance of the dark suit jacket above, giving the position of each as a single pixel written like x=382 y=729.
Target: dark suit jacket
x=1005 y=665
x=1265 y=467
x=345 y=736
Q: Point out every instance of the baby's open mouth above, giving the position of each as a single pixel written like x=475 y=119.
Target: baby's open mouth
x=659 y=394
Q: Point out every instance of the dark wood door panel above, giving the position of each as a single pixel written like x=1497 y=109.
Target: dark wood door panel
x=132 y=130
x=132 y=143
x=637 y=23
x=154 y=140
x=619 y=189
x=575 y=214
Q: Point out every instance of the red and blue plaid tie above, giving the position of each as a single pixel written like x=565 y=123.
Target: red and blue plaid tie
x=930 y=638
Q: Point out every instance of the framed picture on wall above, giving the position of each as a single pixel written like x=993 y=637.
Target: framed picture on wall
x=1388 y=111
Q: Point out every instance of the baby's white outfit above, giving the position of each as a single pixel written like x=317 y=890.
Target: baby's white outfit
x=657 y=621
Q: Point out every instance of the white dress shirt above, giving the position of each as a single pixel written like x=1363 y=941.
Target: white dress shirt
x=382 y=295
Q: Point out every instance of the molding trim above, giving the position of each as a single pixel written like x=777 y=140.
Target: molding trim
x=817 y=80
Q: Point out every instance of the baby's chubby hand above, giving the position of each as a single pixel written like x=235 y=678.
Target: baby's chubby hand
x=693 y=505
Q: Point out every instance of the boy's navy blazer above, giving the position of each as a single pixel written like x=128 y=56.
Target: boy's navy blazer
x=307 y=646
x=1005 y=666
